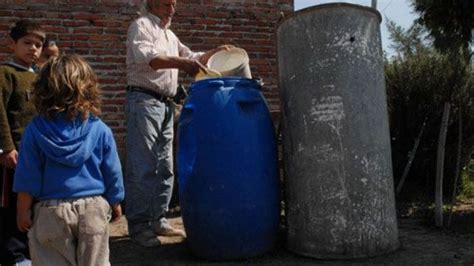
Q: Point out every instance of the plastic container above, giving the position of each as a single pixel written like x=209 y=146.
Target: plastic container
x=227 y=163
x=232 y=62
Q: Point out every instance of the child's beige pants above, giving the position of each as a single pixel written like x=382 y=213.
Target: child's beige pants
x=70 y=232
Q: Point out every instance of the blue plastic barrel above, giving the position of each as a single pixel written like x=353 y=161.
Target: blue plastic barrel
x=227 y=163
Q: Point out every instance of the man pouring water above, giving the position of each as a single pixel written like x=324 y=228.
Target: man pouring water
x=154 y=57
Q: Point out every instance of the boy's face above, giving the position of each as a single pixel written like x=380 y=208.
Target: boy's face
x=27 y=49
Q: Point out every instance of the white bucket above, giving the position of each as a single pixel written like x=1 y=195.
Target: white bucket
x=232 y=62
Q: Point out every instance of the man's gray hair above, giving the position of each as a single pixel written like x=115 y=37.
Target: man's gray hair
x=145 y=7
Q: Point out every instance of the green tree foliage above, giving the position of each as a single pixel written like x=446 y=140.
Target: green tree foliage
x=407 y=43
x=450 y=22
x=419 y=81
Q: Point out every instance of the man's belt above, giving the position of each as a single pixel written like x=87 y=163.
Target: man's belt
x=156 y=95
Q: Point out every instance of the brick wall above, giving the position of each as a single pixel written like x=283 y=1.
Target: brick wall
x=96 y=29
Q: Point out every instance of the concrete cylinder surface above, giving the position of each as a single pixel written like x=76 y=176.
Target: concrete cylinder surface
x=336 y=144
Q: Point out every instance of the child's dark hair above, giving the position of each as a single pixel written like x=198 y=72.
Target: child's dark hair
x=25 y=27
x=67 y=84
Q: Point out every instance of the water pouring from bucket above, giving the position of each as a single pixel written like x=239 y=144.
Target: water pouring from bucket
x=233 y=62
x=208 y=73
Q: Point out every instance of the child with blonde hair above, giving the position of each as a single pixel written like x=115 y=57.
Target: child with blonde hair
x=69 y=164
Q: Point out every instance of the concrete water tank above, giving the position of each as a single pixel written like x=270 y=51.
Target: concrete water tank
x=338 y=182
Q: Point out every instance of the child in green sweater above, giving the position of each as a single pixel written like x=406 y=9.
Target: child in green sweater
x=16 y=111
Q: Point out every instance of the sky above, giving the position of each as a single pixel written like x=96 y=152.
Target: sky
x=399 y=11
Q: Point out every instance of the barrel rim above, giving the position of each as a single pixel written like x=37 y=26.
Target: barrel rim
x=255 y=83
x=329 y=5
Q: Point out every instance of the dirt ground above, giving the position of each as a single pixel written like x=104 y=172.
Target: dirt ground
x=421 y=244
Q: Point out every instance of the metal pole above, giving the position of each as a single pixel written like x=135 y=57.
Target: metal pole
x=374 y=4
x=440 y=166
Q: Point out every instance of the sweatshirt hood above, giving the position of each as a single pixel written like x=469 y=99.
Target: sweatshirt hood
x=67 y=142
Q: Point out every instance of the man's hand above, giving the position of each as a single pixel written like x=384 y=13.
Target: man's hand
x=9 y=159
x=192 y=67
x=189 y=66
x=226 y=47
x=116 y=211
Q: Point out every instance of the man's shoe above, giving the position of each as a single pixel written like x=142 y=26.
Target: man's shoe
x=165 y=229
x=25 y=262
x=146 y=239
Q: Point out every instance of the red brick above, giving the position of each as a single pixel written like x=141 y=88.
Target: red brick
x=98 y=32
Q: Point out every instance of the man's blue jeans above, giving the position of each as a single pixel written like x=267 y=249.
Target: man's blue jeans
x=149 y=178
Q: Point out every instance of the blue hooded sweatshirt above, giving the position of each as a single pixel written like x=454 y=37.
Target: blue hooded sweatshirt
x=64 y=159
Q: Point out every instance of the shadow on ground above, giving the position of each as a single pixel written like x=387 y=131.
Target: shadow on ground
x=421 y=244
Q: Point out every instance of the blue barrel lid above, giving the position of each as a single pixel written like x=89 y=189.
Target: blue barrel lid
x=236 y=82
